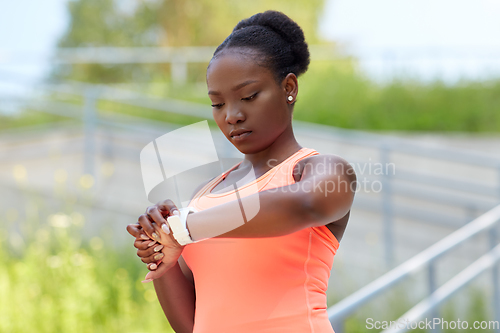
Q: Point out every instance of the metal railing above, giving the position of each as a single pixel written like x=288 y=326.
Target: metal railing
x=389 y=60
x=488 y=221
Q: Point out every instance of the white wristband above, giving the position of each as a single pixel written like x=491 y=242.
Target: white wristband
x=177 y=224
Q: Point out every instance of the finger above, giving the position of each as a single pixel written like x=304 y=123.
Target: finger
x=165 y=238
x=158 y=273
x=166 y=228
x=134 y=229
x=152 y=258
x=154 y=266
x=150 y=251
x=156 y=216
x=167 y=207
x=148 y=227
x=142 y=236
x=143 y=244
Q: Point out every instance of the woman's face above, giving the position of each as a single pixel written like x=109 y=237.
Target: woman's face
x=246 y=97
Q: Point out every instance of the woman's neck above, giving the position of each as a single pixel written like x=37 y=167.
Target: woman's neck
x=262 y=161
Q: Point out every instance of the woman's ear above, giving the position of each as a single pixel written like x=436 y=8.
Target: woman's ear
x=291 y=87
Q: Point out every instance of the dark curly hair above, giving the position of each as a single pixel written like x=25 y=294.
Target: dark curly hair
x=279 y=43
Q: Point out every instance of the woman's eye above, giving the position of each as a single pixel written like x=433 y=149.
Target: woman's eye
x=217 y=106
x=250 y=97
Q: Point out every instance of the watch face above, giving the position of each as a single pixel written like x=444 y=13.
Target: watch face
x=178 y=226
x=175 y=223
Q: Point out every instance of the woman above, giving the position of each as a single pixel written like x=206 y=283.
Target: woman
x=271 y=273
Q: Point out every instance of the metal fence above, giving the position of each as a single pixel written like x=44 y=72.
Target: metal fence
x=380 y=62
x=428 y=259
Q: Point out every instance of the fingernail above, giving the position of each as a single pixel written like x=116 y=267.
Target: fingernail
x=151 y=244
x=158 y=256
x=158 y=248
x=144 y=237
x=176 y=212
x=155 y=236
x=165 y=228
x=146 y=281
x=153 y=266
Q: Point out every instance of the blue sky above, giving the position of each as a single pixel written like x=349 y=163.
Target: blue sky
x=368 y=27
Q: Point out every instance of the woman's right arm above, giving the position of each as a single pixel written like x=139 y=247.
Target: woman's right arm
x=177 y=296
x=175 y=288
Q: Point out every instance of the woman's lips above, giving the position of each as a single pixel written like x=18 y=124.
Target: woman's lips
x=242 y=136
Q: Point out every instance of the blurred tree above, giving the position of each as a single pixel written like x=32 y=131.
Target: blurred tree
x=97 y=23
x=135 y=23
x=207 y=22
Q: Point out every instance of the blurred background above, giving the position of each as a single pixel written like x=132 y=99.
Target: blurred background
x=406 y=91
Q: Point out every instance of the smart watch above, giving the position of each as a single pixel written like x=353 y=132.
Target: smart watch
x=177 y=224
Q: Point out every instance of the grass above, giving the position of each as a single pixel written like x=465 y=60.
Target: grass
x=28 y=118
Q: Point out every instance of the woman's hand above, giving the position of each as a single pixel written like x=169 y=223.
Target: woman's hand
x=154 y=218
x=149 y=250
x=159 y=257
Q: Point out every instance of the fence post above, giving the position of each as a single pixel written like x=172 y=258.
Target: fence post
x=431 y=275
x=339 y=326
x=494 y=274
x=89 y=124
x=178 y=71
x=387 y=208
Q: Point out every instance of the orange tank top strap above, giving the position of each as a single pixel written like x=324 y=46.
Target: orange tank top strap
x=282 y=174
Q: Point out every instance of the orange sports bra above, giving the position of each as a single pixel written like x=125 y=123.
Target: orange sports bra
x=265 y=285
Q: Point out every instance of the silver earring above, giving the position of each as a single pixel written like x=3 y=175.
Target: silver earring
x=290 y=98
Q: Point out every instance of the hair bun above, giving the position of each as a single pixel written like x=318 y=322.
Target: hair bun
x=277 y=22
x=277 y=37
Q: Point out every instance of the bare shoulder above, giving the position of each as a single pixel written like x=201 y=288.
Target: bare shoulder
x=322 y=163
x=327 y=164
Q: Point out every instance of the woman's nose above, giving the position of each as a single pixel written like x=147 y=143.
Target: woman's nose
x=234 y=115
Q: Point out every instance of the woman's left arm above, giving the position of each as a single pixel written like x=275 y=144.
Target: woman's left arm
x=324 y=194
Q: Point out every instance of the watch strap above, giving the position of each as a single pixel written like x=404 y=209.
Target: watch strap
x=177 y=224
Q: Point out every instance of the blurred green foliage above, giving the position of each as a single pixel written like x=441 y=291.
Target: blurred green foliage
x=335 y=94
x=158 y=23
x=53 y=280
